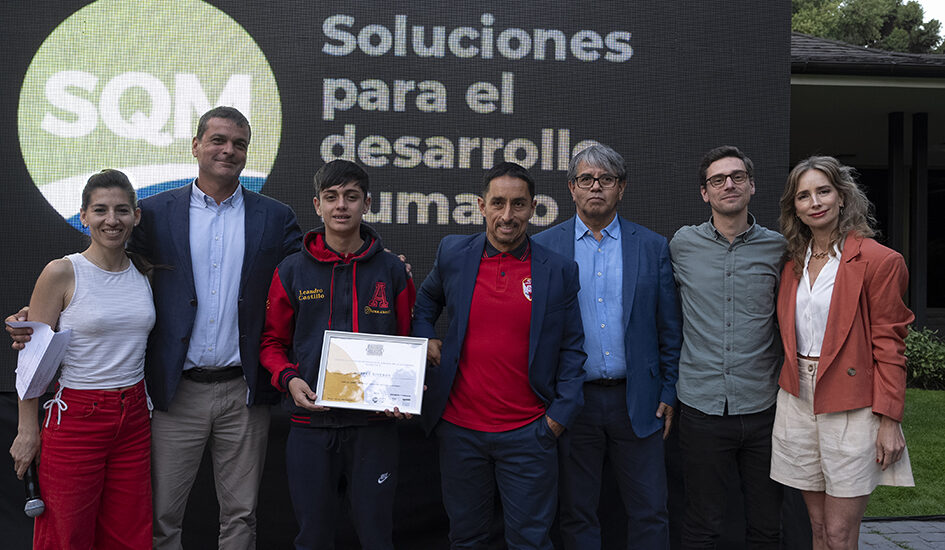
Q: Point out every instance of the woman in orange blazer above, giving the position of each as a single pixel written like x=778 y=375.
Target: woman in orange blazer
x=843 y=323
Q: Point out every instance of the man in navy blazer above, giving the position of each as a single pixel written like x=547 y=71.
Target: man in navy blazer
x=632 y=336
x=216 y=245
x=507 y=380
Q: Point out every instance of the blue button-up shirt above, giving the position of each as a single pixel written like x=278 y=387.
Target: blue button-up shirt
x=600 y=266
x=217 y=244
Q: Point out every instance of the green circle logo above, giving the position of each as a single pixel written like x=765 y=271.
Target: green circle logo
x=122 y=83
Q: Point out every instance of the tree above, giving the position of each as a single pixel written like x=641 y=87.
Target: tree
x=815 y=17
x=884 y=24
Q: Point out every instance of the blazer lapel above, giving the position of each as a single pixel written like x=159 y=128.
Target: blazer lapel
x=470 y=256
x=631 y=264
x=566 y=236
x=541 y=274
x=846 y=293
x=787 y=306
x=178 y=229
x=255 y=225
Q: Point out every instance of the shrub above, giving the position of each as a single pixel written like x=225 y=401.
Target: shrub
x=925 y=359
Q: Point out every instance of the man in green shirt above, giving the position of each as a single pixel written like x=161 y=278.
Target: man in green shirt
x=727 y=271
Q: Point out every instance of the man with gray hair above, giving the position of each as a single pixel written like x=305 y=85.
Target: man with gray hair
x=632 y=331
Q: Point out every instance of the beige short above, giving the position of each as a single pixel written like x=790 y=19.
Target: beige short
x=832 y=452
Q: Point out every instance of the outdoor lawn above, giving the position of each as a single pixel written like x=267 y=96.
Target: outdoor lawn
x=925 y=439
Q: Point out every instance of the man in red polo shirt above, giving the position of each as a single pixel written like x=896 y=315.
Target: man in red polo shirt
x=508 y=378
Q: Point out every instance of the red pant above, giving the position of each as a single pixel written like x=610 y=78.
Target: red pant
x=95 y=472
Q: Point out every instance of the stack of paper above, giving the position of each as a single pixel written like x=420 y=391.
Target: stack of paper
x=37 y=363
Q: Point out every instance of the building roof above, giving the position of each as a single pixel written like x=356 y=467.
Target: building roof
x=813 y=55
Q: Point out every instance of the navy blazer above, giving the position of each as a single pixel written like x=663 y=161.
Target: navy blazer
x=556 y=337
x=651 y=317
x=163 y=237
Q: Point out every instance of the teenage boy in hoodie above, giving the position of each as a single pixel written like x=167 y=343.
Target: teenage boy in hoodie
x=342 y=279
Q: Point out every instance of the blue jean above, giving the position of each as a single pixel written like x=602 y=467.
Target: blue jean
x=602 y=430
x=523 y=463
x=714 y=448
x=317 y=458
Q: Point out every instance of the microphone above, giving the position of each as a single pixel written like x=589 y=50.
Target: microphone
x=34 y=505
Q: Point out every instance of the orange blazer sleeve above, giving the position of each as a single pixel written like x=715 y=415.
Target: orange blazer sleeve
x=889 y=321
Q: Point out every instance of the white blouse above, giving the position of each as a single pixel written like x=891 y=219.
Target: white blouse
x=813 y=305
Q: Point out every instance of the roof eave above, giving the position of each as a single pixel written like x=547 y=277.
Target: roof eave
x=865 y=69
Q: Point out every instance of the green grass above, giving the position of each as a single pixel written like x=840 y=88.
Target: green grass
x=925 y=439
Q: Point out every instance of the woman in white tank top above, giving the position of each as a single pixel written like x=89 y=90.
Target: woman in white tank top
x=96 y=441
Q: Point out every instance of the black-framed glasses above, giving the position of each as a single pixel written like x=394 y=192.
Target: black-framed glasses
x=738 y=177
x=586 y=181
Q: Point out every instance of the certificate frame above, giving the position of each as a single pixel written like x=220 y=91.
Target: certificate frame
x=357 y=375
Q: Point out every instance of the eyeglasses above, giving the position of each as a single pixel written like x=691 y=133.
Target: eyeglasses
x=586 y=181
x=738 y=177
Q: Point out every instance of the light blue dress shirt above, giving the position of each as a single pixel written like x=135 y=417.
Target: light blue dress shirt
x=217 y=245
x=600 y=265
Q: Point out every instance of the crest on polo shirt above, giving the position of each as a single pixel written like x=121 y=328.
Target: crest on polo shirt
x=527 y=288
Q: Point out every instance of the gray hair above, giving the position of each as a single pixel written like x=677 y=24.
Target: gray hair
x=599 y=156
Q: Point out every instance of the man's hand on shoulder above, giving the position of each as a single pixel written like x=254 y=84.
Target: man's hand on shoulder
x=402 y=258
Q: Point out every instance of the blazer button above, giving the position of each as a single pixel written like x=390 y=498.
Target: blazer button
x=193 y=302
x=851 y=372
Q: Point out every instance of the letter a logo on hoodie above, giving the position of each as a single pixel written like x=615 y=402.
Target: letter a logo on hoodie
x=379 y=299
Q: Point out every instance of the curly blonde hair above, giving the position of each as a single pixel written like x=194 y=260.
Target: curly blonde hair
x=855 y=214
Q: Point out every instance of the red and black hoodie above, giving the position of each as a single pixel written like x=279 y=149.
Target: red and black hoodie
x=318 y=289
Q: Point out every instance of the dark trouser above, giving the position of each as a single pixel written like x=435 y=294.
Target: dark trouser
x=602 y=430
x=522 y=462
x=713 y=447
x=317 y=458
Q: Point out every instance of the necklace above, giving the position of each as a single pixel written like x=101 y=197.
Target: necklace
x=818 y=255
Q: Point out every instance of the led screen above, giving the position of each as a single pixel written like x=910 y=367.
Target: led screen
x=425 y=95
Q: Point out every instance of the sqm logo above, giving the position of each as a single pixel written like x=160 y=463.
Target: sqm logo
x=121 y=84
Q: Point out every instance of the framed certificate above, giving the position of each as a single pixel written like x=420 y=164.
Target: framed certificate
x=371 y=372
